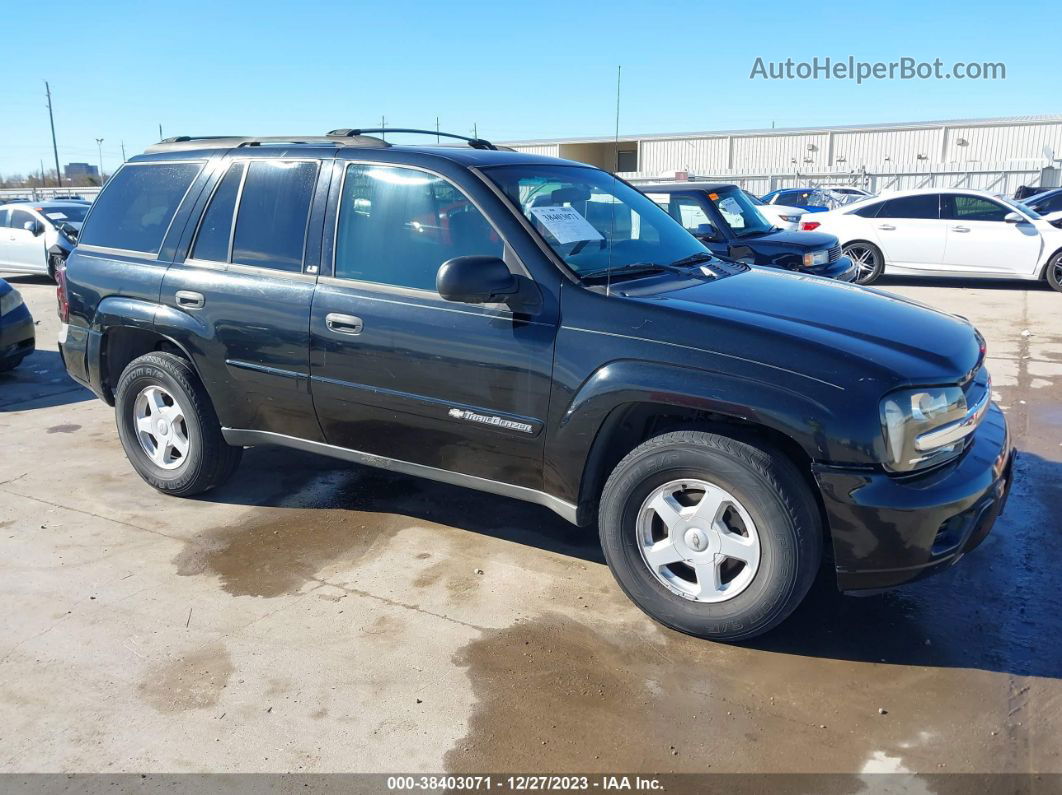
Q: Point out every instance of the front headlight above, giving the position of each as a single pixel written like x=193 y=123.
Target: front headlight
x=923 y=427
x=813 y=258
x=10 y=302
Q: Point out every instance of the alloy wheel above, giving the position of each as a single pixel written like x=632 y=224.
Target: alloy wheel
x=698 y=540
x=864 y=258
x=160 y=427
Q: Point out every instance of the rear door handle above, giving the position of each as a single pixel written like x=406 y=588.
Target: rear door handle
x=343 y=324
x=190 y=299
x=886 y=227
x=960 y=229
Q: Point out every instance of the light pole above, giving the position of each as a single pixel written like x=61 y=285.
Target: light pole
x=99 y=147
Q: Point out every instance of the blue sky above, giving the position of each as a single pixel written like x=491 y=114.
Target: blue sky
x=533 y=69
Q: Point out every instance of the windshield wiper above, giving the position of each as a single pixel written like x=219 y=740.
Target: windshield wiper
x=692 y=259
x=631 y=269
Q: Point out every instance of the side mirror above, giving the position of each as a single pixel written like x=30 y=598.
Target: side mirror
x=708 y=232
x=476 y=280
x=1014 y=218
x=36 y=227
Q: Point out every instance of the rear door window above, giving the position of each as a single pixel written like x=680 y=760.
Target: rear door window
x=274 y=209
x=215 y=230
x=924 y=206
x=137 y=205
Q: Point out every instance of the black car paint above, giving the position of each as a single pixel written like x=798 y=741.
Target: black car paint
x=779 y=248
x=17 y=332
x=803 y=358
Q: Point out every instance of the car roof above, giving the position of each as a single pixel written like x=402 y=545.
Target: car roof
x=463 y=155
x=685 y=185
x=29 y=204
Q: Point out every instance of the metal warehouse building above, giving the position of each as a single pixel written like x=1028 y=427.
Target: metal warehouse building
x=993 y=154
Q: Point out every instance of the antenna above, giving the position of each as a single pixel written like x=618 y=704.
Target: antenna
x=615 y=146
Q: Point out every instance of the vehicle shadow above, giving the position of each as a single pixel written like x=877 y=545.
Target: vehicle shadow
x=994 y=611
x=40 y=381
x=368 y=490
x=887 y=281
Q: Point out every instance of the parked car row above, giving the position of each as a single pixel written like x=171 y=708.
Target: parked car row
x=538 y=328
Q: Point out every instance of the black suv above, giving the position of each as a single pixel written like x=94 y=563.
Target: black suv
x=536 y=328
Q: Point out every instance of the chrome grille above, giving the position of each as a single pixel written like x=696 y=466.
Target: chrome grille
x=835 y=253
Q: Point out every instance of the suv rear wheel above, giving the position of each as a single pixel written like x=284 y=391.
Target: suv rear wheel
x=168 y=427
x=711 y=536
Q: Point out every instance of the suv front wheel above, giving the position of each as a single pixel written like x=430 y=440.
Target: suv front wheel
x=168 y=427
x=711 y=536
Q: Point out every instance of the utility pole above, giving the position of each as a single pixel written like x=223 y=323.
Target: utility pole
x=475 y=130
x=123 y=151
x=160 y=130
x=55 y=148
x=383 y=127
x=99 y=146
x=436 y=129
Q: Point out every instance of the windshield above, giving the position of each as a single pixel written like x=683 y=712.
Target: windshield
x=757 y=201
x=739 y=213
x=1029 y=211
x=592 y=220
x=73 y=214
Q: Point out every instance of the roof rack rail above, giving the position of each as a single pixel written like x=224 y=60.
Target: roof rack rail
x=187 y=142
x=475 y=143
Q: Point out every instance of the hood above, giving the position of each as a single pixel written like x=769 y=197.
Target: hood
x=821 y=326
x=790 y=240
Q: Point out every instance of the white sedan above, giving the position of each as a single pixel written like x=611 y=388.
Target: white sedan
x=34 y=235
x=781 y=216
x=945 y=232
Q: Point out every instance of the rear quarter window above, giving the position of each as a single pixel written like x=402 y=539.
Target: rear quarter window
x=137 y=205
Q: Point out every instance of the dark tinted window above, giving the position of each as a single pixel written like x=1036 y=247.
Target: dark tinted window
x=212 y=240
x=973 y=208
x=398 y=225
x=870 y=211
x=136 y=206
x=924 y=205
x=271 y=224
x=3 y=218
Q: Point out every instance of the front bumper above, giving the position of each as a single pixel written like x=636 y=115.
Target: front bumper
x=17 y=334
x=887 y=531
x=842 y=269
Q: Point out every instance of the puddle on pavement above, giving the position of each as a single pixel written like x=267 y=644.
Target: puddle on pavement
x=275 y=551
x=193 y=681
x=67 y=428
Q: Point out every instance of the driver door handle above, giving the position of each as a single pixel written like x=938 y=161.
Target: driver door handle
x=886 y=227
x=343 y=324
x=190 y=299
x=960 y=229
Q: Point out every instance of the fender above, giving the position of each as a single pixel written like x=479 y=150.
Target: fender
x=116 y=312
x=800 y=416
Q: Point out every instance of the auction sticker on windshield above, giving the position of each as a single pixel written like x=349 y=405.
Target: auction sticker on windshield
x=566 y=224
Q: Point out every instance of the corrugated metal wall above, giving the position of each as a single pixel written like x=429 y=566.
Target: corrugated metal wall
x=918 y=147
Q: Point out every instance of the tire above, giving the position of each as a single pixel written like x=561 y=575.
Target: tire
x=765 y=488
x=869 y=262
x=1053 y=272
x=142 y=394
